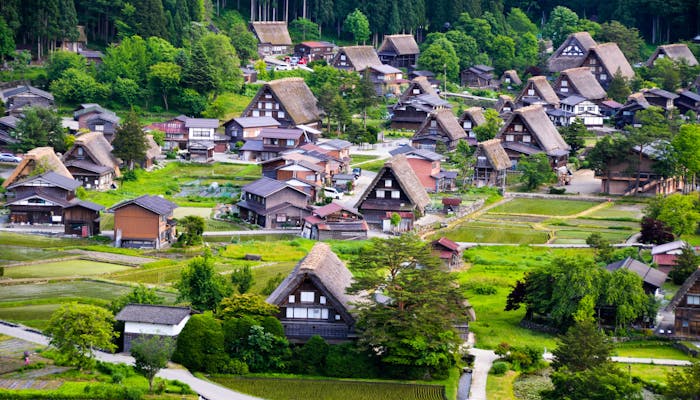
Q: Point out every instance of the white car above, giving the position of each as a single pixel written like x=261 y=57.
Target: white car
x=333 y=193
x=9 y=158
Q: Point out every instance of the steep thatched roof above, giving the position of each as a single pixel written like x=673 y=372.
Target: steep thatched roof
x=447 y=121
x=422 y=84
x=675 y=52
x=407 y=179
x=273 y=32
x=296 y=98
x=326 y=270
x=513 y=75
x=540 y=126
x=40 y=156
x=542 y=88
x=360 y=57
x=97 y=148
x=583 y=83
x=493 y=151
x=560 y=61
x=475 y=114
x=612 y=58
x=153 y=150
x=399 y=45
x=683 y=291
x=503 y=100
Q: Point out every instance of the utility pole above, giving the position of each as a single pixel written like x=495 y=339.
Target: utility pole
x=444 y=83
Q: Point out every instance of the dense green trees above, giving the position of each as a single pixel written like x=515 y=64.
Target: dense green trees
x=681 y=213
x=130 y=142
x=410 y=306
x=191 y=230
x=201 y=285
x=536 y=171
x=39 y=127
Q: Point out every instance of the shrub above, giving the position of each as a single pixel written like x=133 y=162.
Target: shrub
x=310 y=358
x=553 y=190
x=484 y=289
x=129 y=176
x=345 y=361
x=200 y=343
x=499 y=368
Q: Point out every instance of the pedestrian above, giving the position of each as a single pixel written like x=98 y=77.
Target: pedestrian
x=26 y=357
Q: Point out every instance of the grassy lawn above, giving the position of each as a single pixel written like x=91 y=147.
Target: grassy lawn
x=650 y=349
x=36 y=316
x=11 y=254
x=293 y=250
x=650 y=372
x=360 y=158
x=181 y=212
x=543 y=207
x=233 y=103
x=471 y=232
x=167 y=180
x=617 y=211
x=63 y=268
x=373 y=166
x=499 y=267
x=501 y=387
x=282 y=389
x=38 y=241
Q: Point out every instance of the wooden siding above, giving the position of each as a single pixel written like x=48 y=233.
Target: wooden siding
x=687 y=321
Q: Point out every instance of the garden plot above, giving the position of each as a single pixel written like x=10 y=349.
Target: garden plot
x=204 y=212
x=63 y=268
x=66 y=291
x=201 y=188
x=12 y=254
x=543 y=207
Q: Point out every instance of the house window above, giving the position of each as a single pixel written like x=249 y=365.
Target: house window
x=564 y=90
x=416 y=91
x=342 y=57
x=268 y=96
x=693 y=299
x=256 y=113
x=290 y=142
x=291 y=299
x=395 y=194
x=99 y=128
x=80 y=152
x=603 y=77
x=268 y=106
x=507 y=79
x=307 y=297
x=280 y=114
x=564 y=83
x=322 y=299
x=467 y=124
x=380 y=194
x=592 y=60
x=307 y=313
x=510 y=138
x=526 y=138
x=337 y=317
x=531 y=92
x=387 y=182
x=433 y=124
x=518 y=128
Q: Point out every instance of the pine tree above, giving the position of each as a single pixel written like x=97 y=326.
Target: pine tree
x=7 y=41
x=366 y=95
x=130 y=142
x=618 y=89
x=150 y=19
x=67 y=20
x=199 y=73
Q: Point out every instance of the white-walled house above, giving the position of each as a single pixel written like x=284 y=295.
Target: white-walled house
x=152 y=320
x=577 y=107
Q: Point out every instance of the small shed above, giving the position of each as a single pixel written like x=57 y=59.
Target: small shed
x=143 y=320
x=448 y=251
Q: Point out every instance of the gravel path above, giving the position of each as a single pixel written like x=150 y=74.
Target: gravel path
x=483 y=359
x=112 y=257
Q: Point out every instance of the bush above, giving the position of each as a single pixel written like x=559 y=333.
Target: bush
x=129 y=176
x=200 y=344
x=345 y=361
x=484 y=289
x=499 y=368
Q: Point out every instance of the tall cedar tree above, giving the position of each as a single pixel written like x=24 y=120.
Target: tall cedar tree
x=619 y=89
x=199 y=73
x=366 y=95
x=130 y=142
x=582 y=347
x=686 y=263
x=7 y=40
x=39 y=127
x=410 y=306
x=573 y=135
x=150 y=18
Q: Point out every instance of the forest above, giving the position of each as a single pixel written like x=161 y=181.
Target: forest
x=40 y=22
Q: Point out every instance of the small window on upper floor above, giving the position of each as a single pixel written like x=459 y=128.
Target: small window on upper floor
x=387 y=182
x=307 y=297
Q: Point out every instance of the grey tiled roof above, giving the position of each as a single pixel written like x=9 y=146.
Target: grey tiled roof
x=153 y=314
x=154 y=204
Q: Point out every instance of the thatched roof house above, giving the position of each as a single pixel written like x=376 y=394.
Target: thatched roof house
x=273 y=37
x=686 y=304
x=505 y=105
x=571 y=53
x=440 y=126
x=510 y=78
x=400 y=51
x=492 y=162
x=529 y=131
x=313 y=299
x=495 y=155
x=395 y=188
x=355 y=58
x=419 y=85
x=604 y=60
x=91 y=162
x=579 y=81
x=287 y=100
x=470 y=119
x=676 y=52
x=42 y=158
x=537 y=90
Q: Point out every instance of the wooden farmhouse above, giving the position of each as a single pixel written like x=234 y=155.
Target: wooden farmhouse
x=470 y=119
x=176 y=133
x=478 y=76
x=415 y=104
x=652 y=278
x=621 y=176
x=244 y=128
x=355 y=58
x=686 y=304
x=530 y=131
x=95 y=118
x=144 y=222
x=574 y=108
x=146 y=320
x=441 y=126
x=581 y=82
x=386 y=79
x=665 y=255
x=571 y=53
x=505 y=105
x=8 y=124
x=91 y=162
x=492 y=164
x=510 y=79
x=288 y=100
x=272 y=142
x=36 y=160
x=627 y=114
x=395 y=188
x=537 y=90
x=604 y=60
x=678 y=52
x=686 y=101
x=273 y=37
x=334 y=222
x=315 y=50
x=427 y=165
x=313 y=299
x=399 y=51
x=18 y=98
x=270 y=203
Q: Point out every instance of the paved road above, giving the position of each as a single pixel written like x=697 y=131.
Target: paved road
x=208 y=390
x=483 y=360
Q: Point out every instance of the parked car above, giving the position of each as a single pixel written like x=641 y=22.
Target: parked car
x=357 y=171
x=7 y=157
x=332 y=193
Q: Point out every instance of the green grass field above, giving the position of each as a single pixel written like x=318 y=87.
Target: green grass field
x=650 y=372
x=63 y=268
x=474 y=232
x=167 y=181
x=501 y=387
x=12 y=254
x=650 y=349
x=293 y=250
x=373 y=166
x=289 y=389
x=617 y=211
x=361 y=158
x=543 y=207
